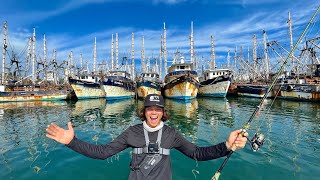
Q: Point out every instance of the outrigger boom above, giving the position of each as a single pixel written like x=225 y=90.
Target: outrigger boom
x=247 y=125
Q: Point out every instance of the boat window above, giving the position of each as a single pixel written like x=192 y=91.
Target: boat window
x=151 y=75
x=182 y=67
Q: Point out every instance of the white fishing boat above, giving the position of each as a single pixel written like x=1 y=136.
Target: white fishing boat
x=214 y=83
x=87 y=86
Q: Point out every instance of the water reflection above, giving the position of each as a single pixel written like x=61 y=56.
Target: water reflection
x=291 y=150
x=101 y=116
x=118 y=116
x=184 y=108
x=22 y=127
x=81 y=107
x=183 y=116
x=213 y=113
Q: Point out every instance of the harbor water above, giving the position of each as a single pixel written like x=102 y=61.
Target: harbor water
x=291 y=149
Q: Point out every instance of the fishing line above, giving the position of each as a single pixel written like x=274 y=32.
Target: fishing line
x=268 y=110
x=247 y=125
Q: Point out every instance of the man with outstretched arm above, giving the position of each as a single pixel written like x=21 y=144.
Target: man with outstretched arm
x=151 y=142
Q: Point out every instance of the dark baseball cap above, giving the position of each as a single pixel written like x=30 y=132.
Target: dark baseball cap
x=154 y=100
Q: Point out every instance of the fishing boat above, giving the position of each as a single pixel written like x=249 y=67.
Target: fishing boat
x=182 y=81
x=301 y=92
x=303 y=87
x=252 y=90
x=148 y=83
x=30 y=93
x=18 y=87
x=214 y=83
x=118 y=85
x=87 y=86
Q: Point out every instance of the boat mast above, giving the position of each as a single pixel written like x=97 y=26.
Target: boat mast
x=29 y=55
x=254 y=55
x=45 y=56
x=132 y=57
x=72 y=65
x=55 y=63
x=117 y=50
x=290 y=34
x=142 y=56
x=160 y=57
x=33 y=55
x=95 y=55
x=81 y=61
x=112 y=53
x=235 y=59
x=148 y=65
x=165 y=47
x=191 y=44
x=4 y=52
x=213 y=56
x=228 y=59
x=266 y=53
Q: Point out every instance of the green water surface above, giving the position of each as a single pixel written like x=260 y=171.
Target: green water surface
x=291 y=150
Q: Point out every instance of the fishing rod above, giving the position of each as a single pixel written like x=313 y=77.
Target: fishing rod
x=258 y=139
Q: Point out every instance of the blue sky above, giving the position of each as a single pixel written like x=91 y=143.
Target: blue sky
x=71 y=25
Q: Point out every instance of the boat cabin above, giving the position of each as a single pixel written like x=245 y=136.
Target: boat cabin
x=120 y=73
x=210 y=74
x=89 y=77
x=150 y=75
x=181 y=67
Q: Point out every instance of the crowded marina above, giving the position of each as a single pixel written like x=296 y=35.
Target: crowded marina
x=37 y=78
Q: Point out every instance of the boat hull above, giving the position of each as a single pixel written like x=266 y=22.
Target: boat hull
x=217 y=87
x=182 y=88
x=17 y=96
x=87 y=90
x=300 y=92
x=249 y=90
x=118 y=88
x=147 y=87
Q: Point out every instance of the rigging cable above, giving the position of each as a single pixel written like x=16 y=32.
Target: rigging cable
x=247 y=125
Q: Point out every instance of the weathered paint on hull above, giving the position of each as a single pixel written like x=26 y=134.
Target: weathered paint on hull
x=117 y=92
x=143 y=91
x=215 y=90
x=232 y=91
x=84 y=92
x=183 y=90
x=301 y=92
x=17 y=96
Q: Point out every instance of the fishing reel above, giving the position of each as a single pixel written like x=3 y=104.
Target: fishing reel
x=257 y=141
